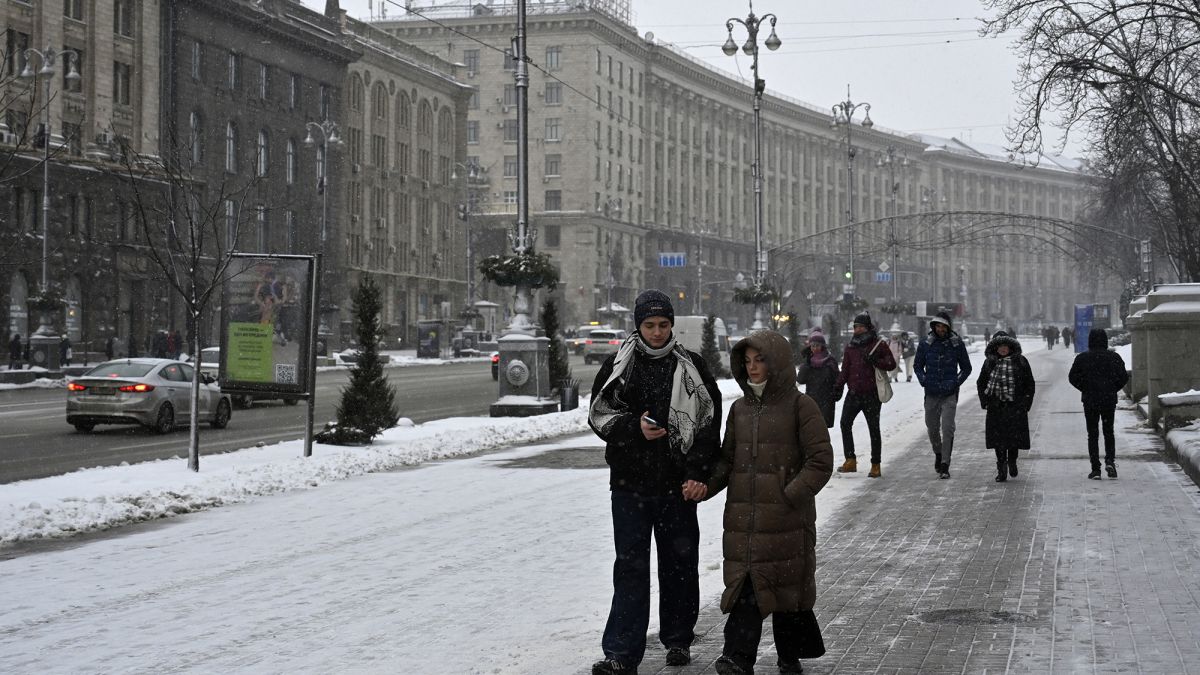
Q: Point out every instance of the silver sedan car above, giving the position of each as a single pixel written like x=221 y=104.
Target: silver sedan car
x=152 y=392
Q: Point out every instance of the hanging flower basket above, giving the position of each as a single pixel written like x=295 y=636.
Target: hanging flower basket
x=529 y=269
x=755 y=294
x=50 y=300
x=854 y=305
x=900 y=308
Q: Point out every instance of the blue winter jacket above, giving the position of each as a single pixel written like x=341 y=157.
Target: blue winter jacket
x=942 y=364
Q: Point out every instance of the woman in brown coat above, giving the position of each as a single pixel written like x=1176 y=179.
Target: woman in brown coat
x=775 y=458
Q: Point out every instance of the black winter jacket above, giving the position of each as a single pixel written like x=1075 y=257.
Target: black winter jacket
x=651 y=467
x=1098 y=373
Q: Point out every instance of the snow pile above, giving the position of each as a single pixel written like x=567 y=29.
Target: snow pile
x=40 y=383
x=1190 y=397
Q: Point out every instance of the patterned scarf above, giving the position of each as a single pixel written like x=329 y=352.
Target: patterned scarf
x=1002 y=385
x=691 y=406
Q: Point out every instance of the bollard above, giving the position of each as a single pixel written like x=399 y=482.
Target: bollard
x=568 y=396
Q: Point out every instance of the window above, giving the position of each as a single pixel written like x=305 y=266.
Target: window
x=231 y=148
x=554 y=200
x=197 y=59
x=510 y=166
x=290 y=165
x=122 y=76
x=553 y=162
x=356 y=93
x=510 y=60
x=324 y=100
x=472 y=132
x=73 y=9
x=72 y=85
x=263 y=233
x=72 y=134
x=552 y=129
x=289 y=223
x=510 y=131
x=510 y=94
x=553 y=93
x=15 y=45
x=72 y=215
x=553 y=233
x=379 y=102
x=379 y=148
x=231 y=229
x=264 y=81
x=510 y=196
x=235 y=71
x=471 y=59
x=599 y=61
x=196 y=137
x=402 y=109
x=294 y=91
x=553 y=58
x=123 y=17
x=262 y=158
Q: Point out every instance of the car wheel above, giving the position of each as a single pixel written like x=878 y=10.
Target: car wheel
x=83 y=427
x=291 y=401
x=221 y=419
x=166 y=419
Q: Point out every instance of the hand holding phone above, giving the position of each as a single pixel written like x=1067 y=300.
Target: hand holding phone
x=651 y=429
x=651 y=421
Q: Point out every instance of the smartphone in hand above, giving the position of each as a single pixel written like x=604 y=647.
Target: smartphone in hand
x=650 y=420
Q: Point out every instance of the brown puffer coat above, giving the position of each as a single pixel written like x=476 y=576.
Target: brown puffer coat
x=775 y=458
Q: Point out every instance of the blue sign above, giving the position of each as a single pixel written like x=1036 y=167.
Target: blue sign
x=882 y=277
x=672 y=259
x=1084 y=317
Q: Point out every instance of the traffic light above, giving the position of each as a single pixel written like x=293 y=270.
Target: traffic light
x=848 y=274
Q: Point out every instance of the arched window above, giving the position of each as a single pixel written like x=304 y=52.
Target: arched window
x=379 y=102
x=262 y=159
x=196 y=137
x=356 y=93
x=291 y=161
x=445 y=127
x=425 y=120
x=402 y=110
x=231 y=159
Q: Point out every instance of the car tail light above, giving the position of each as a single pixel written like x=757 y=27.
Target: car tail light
x=496 y=358
x=75 y=386
x=137 y=388
x=614 y=342
x=587 y=342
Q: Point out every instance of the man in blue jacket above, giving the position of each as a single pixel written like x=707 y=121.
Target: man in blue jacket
x=942 y=365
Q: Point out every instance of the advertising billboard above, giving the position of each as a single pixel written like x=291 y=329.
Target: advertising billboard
x=266 y=324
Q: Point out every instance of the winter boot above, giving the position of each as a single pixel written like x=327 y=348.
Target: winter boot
x=679 y=656
x=1001 y=474
x=874 y=472
x=790 y=667
x=945 y=472
x=1012 y=462
x=612 y=667
x=848 y=466
x=727 y=666
x=1111 y=469
x=937 y=464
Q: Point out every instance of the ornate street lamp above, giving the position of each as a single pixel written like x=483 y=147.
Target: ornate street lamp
x=752 y=24
x=889 y=162
x=843 y=115
x=471 y=171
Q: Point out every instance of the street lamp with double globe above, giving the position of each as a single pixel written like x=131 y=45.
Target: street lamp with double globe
x=752 y=24
x=470 y=171
x=843 y=115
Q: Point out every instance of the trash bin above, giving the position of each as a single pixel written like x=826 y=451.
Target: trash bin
x=568 y=396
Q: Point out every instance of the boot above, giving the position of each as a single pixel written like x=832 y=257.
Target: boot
x=1095 y=474
x=937 y=464
x=1012 y=462
x=1001 y=475
x=944 y=472
x=848 y=466
x=874 y=472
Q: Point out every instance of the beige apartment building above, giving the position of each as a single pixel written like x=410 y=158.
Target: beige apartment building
x=640 y=153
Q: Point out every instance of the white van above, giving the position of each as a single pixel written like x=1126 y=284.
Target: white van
x=689 y=332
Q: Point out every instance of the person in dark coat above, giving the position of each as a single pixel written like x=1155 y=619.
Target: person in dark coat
x=64 y=351
x=109 y=348
x=908 y=353
x=658 y=410
x=1006 y=391
x=1067 y=334
x=942 y=366
x=14 y=351
x=865 y=353
x=775 y=458
x=158 y=345
x=1099 y=374
x=818 y=373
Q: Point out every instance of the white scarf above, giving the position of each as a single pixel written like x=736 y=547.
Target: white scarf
x=691 y=406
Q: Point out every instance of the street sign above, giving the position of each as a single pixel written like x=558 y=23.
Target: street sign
x=882 y=277
x=883 y=266
x=672 y=259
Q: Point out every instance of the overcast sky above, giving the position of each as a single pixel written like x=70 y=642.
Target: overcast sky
x=920 y=63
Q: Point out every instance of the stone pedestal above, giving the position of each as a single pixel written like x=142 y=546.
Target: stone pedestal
x=524 y=377
x=1136 y=388
x=43 y=345
x=1170 y=323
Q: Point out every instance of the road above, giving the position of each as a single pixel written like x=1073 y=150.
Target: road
x=35 y=440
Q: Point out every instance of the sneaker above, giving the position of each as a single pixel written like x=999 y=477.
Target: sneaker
x=1111 y=468
x=945 y=472
x=727 y=666
x=679 y=656
x=1095 y=474
x=612 y=667
x=790 y=667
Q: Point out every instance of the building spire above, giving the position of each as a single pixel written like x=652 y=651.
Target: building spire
x=333 y=9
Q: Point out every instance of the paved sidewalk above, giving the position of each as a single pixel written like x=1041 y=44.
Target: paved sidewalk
x=1046 y=573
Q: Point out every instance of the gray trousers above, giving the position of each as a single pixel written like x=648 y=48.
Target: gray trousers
x=939 y=420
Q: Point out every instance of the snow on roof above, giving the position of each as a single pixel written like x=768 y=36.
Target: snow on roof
x=996 y=153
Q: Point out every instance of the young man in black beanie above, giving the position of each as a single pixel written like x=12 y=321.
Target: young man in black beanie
x=942 y=365
x=658 y=410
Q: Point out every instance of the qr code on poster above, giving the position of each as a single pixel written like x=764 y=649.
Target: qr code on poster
x=285 y=373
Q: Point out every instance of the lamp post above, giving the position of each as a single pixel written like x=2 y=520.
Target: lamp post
x=889 y=162
x=471 y=171
x=48 y=58
x=611 y=208
x=843 y=115
x=329 y=135
x=699 y=231
x=329 y=132
x=750 y=48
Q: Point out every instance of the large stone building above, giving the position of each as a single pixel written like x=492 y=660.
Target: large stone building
x=637 y=150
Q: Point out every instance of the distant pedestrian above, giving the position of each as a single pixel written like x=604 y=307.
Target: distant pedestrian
x=1006 y=391
x=818 y=372
x=109 y=348
x=942 y=365
x=865 y=353
x=658 y=410
x=1068 y=334
x=14 y=351
x=172 y=340
x=775 y=458
x=1099 y=374
x=25 y=353
x=897 y=347
x=64 y=351
x=908 y=353
x=158 y=347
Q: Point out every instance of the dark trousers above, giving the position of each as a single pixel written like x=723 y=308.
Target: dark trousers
x=672 y=521
x=1093 y=416
x=869 y=406
x=797 y=634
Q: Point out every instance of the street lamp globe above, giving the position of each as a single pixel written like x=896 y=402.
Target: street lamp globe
x=773 y=42
x=730 y=48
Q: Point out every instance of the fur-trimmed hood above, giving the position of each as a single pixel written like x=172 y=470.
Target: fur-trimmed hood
x=1001 y=338
x=781 y=371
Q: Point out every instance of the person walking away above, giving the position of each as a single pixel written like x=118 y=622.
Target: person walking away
x=897 y=348
x=909 y=352
x=1049 y=341
x=14 y=351
x=658 y=410
x=1006 y=391
x=818 y=373
x=863 y=354
x=775 y=458
x=1099 y=374
x=1067 y=334
x=942 y=365
x=109 y=348
x=64 y=351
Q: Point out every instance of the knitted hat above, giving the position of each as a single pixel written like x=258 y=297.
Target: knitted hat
x=652 y=303
x=864 y=319
x=942 y=318
x=816 y=336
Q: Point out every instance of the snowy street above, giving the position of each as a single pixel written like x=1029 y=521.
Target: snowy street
x=499 y=561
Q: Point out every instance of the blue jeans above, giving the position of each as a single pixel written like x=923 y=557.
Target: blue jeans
x=672 y=520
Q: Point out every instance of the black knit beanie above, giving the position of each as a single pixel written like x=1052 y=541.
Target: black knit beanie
x=652 y=303
x=865 y=320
